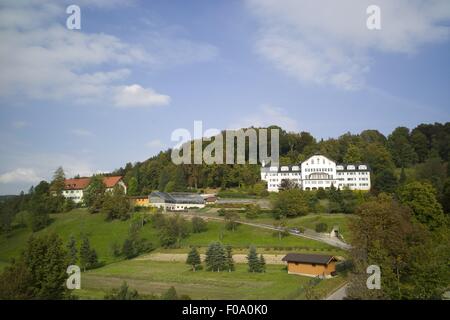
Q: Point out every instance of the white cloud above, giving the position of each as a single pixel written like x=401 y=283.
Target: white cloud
x=80 y=132
x=156 y=143
x=137 y=96
x=41 y=59
x=327 y=42
x=267 y=116
x=20 y=175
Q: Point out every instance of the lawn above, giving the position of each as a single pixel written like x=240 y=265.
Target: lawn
x=151 y=277
x=103 y=234
x=246 y=236
x=77 y=223
x=309 y=221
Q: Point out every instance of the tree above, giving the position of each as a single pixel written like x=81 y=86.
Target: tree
x=401 y=149
x=231 y=219
x=179 y=180
x=46 y=261
x=123 y=293
x=93 y=196
x=170 y=294
x=39 y=206
x=419 y=142
x=291 y=203
x=385 y=181
x=353 y=154
x=198 y=225
x=215 y=259
x=193 y=259
x=58 y=183
x=321 y=227
x=15 y=282
x=133 y=187
x=72 y=252
x=252 y=211
x=88 y=256
x=446 y=196
x=172 y=230
x=116 y=205
x=288 y=184
x=253 y=260
x=262 y=263
x=413 y=259
x=421 y=198
x=229 y=259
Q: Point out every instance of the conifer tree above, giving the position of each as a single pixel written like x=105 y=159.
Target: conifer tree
x=253 y=261
x=262 y=264
x=229 y=261
x=193 y=259
x=72 y=252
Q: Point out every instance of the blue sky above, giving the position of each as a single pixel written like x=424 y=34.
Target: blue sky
x=113 y=92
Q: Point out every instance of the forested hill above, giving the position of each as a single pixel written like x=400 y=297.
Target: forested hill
x=422 y=152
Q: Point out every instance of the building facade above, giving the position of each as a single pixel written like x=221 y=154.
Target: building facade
x=175 y=201
x=74 y=188
x=317 y=172
x=311 y=265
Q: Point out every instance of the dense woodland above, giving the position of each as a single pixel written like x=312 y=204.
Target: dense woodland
x=404 y=155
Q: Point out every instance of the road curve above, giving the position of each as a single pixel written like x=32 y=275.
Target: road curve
x=310 y=233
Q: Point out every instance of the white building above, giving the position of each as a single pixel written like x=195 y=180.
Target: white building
x=74 y=188
x=318 y=172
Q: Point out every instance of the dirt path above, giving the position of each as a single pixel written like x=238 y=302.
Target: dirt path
x=181 y=257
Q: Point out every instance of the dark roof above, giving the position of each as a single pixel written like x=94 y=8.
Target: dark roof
x=309 y=258
x=177 y=197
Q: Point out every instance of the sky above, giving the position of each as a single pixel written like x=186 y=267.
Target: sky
x=112 y=92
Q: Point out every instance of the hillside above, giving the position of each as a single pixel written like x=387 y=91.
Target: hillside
x=104 y=234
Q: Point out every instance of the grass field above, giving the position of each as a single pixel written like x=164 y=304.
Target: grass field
x=309 y=221
x=103 y=234
x=151 y=277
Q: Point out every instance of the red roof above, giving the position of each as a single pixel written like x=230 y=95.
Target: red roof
x=76 y=184
x=82 y=183
x=110 y=182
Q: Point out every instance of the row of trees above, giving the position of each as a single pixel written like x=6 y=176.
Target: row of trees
x=220 y=258
x=400 y=149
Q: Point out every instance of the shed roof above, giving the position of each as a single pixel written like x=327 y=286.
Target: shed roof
x=309 y=258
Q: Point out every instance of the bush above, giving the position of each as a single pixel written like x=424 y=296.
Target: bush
x=321 y=227
x=198 y=225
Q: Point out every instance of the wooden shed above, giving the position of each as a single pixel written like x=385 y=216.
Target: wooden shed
x=312 y=265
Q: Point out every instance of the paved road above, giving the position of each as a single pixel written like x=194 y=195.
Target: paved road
x=339 y=294
x=309 y=234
